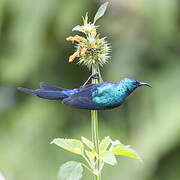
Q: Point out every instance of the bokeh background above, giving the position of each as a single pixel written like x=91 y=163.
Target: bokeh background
x=145 y=39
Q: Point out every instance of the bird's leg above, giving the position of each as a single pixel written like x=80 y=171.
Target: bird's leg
x=94 y=76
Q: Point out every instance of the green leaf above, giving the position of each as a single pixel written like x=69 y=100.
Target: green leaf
x=104 y=144
x=109 y=158
x=72 y=145
x=85 y=19
x=90 y=155
x=78 y=28
x=120 y=149
x=100 y=12
x=70 y=171
x=88 y=143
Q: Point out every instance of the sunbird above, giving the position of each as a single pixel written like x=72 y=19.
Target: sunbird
x=102 y=96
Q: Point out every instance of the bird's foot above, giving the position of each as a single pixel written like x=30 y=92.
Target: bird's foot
x=93 y=76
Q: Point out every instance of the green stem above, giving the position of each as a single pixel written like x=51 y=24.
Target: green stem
x=94 y=121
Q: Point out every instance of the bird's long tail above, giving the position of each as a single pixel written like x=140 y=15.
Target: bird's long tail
x=45 y=94
x=48 y=92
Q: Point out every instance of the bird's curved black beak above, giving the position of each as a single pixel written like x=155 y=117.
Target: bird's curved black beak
x=145 y=84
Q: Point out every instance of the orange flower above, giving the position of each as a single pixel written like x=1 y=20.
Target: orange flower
x=84 y=50
x=71 y=58
x=100 y=43
x=93 y=33
x=94 y=46
x=75 y=38
x=70 y=38
x=78 y=38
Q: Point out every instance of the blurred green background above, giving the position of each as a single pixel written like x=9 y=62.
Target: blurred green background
x=145 y=39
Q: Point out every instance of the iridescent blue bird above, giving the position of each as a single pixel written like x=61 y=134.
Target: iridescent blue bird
x=107 y=95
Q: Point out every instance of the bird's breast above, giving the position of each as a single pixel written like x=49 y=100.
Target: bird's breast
x=108 y=96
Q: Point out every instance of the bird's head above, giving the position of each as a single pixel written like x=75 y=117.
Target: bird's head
x=132 y=84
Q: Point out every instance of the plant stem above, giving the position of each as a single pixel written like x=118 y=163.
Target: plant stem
x=94 y=121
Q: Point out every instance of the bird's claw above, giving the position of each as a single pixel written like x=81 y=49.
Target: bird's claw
x=95 y=76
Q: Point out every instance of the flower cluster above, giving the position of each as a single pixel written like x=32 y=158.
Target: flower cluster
x=90 y=49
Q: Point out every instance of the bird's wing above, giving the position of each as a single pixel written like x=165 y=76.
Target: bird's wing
x=46 y=86
x=84 y=98
x=86 y=86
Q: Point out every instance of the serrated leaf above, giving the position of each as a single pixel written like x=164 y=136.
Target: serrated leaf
x=125 y=151
x=109 y=158
x=87 y=142
x=72 y=145
x=77 y=28
x=104 y=144
x=100 y=12
x=70 y=171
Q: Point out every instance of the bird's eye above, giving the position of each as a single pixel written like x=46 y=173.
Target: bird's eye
x=135 y=83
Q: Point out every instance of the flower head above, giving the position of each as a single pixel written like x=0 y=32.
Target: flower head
x=90 y=49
